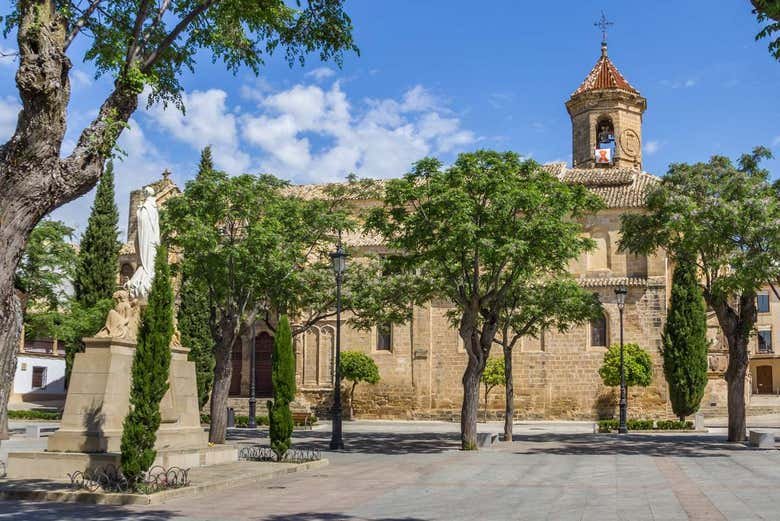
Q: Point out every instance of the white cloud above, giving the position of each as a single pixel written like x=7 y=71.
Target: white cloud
x=321 y=73
x=679 y=83
x=651 y=147
x=80 y=78
x=206 y=122
x=8 y=57
x=312 y=134
x=9 y=112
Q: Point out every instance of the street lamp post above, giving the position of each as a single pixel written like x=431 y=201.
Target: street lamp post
x=620 y=296
x=338 y=259
x=252 y=375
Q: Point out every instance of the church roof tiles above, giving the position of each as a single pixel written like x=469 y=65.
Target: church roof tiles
x=604 y=75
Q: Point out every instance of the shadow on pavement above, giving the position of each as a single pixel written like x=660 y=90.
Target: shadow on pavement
x=364 y=442
x=26 y=511
x=627 y=444
x=311 y=516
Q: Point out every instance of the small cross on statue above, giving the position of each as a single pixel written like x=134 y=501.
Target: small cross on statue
x=603 y=23
x=166 y=174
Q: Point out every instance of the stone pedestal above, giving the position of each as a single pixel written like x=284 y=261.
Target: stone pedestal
x=96 y=405
x=99 y=398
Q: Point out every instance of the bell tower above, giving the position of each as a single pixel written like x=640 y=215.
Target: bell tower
x=606 y=117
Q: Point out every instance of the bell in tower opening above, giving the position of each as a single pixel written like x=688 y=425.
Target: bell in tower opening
x=606 y=116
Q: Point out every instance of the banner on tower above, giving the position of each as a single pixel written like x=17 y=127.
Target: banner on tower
x=603 y=156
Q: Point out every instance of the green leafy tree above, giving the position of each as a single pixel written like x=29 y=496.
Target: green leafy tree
x=151 y=365
x=638 y=366
x=727 y=218
x=468 y=232
x=47 y=267
x=99 y=249
x=283 y=376
x=357 y=367
x=260 y=253
x=138 y=45
x=768 y=12
x=685 y=342
x=550 y=300
x=193 y=319
x=493 y=376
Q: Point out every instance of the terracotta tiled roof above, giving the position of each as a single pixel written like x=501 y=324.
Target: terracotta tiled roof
x=594 y=282
x=604 y=75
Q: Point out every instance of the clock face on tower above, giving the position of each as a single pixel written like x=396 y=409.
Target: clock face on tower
x=629 y=142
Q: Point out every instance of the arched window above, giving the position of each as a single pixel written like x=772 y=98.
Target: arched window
x=598 y=332
x=125 y=273
x=605 y=133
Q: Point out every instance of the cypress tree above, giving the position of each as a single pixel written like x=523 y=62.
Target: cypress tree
x=685 y=342
x=96 y=271
x=149 y=374
x=283 y=378
x=194 y=314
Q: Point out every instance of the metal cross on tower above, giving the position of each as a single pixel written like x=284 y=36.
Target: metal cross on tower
x=603 y=23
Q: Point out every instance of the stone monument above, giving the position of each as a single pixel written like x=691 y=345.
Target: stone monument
x=98 y=397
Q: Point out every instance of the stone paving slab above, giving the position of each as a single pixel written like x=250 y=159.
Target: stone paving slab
x=204 y=480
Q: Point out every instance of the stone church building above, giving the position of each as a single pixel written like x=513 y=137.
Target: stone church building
x=556 y=375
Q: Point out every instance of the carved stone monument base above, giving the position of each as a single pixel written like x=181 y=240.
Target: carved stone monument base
x=98 y=400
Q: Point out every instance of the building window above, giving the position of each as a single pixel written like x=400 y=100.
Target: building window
x=383 y=337
x=763 y=303
x=765 y=341
x=598 y=332
x=38 y=377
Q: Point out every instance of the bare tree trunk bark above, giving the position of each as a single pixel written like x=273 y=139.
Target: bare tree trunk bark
x=33 y=179
x=223 y=371
x=470 y=408
x=509 y=410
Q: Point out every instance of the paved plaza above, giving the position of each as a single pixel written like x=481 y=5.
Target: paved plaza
x=413 y=471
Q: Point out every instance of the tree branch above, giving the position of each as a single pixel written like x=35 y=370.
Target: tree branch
x=180 y=27
x=132 y=49
x=81 y=22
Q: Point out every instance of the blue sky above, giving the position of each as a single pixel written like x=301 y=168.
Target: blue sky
x=441 y=77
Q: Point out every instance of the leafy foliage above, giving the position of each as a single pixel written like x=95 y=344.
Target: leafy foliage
x=359 y=367
x=685 y=342
x=283 y=377
x=469 y=231
x=725 y=219
x=99 y=249
x=768 y=11
x=151 y=365
x=493 y=376
x=193 y=320
x=149 y=43
x=47 y=266
x=636 y=361
x=259 y=253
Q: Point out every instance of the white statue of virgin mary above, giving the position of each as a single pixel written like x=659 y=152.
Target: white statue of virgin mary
x=146 y=242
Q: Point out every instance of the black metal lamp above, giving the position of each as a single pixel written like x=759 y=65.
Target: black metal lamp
x=620 y=297
x=339 y=260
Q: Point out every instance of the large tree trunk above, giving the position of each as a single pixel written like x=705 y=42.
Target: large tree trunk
x=470 y=408
x=227 y=334
x=34 y=180
x=509 y=412
x=737 y=324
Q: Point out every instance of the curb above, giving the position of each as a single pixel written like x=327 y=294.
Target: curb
x=102 y=498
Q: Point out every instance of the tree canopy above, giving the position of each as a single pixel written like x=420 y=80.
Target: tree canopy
x=469 y=231
x=725 y=218
x=638 y=366
x=768 y=12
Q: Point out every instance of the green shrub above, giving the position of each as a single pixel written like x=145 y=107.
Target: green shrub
x=640 y=425
x=673 y=425
x=637 y=363
x=283 y=377
x=34 y=415
x=608 y=425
